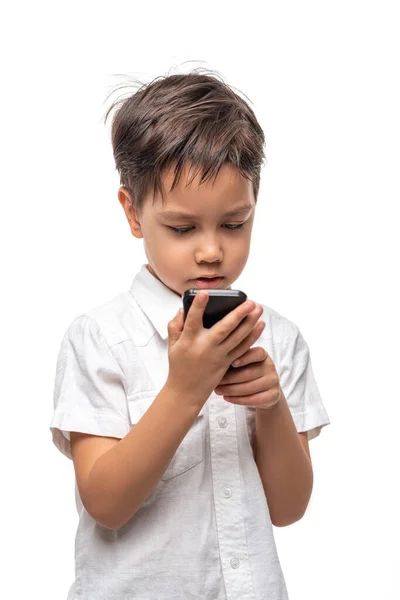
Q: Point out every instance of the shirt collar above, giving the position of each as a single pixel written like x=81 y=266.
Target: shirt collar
x=159 y=303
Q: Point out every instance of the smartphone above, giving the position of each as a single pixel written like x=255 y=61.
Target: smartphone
x=220 y=303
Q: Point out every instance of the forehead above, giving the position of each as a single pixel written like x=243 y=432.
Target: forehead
x=221 y=195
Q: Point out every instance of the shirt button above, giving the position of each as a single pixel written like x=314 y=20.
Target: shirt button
x=227 y=492
x=222 y=422
x=235 y=562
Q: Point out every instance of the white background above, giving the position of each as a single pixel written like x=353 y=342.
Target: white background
x=323 y=78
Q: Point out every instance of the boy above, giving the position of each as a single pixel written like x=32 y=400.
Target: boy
x=183 y=458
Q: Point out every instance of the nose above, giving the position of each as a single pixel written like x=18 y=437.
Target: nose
x=209 y=250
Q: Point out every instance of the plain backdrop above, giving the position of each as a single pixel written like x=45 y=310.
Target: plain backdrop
x=323 y=79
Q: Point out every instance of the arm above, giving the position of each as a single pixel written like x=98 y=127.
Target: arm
x=284 y=463
x=115 y=477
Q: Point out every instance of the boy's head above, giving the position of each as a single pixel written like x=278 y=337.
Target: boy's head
x=188 y=143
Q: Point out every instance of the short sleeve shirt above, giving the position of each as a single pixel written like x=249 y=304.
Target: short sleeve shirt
x=205 y=529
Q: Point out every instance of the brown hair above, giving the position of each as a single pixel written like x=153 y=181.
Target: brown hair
x=182 y=119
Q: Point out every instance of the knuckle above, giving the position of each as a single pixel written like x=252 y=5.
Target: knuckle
x=267 y=398
x=246 y=306
x=224 y=331
x=252 y=318
x=254 y=335
x=272 y=394
x=263 y=353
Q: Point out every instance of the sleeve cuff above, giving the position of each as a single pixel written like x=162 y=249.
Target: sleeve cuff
x=102 y=424
x=311 y=421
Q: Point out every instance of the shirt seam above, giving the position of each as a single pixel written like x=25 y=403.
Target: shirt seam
x=97 y=411
x=302 y=412
x=107 y=345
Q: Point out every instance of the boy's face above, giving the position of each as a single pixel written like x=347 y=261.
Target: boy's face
x=212 y=243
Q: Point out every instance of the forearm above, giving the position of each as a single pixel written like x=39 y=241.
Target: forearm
x=283 y=464
x=123 y=477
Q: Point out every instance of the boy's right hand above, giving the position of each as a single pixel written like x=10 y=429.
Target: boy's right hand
x=199 y=357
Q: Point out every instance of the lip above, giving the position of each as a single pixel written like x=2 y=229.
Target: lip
x=208 y=282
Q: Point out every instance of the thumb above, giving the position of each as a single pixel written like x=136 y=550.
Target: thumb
x=194 y=318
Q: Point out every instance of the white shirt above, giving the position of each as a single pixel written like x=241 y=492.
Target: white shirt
x=205 y=531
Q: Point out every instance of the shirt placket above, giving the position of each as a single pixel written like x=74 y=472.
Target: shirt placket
x=229 y=513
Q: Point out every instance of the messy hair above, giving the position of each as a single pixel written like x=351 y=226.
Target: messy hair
x=177 y=120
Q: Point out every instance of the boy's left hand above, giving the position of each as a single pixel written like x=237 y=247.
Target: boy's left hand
x=254 y=382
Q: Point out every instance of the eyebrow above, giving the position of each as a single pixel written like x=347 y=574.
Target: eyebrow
x=171 y=215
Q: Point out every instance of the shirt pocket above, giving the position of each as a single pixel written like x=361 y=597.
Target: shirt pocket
x=189 y=453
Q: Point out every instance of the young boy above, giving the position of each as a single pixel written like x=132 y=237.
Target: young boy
x=183 y=458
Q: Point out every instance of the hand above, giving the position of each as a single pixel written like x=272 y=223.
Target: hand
x=199 y=357
x=254 y=382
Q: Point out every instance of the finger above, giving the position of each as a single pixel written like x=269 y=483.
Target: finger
x=253 y=355
x=265 y=399
x=247 y=388
x=242 y=330
x=221 y=330
x=243 y=374
x=246 y=339
x=179 y=320
x=175 y=327
x=194 y=317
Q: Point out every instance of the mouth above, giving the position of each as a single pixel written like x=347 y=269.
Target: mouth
x=207 y=282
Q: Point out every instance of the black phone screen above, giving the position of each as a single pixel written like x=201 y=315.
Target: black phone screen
x=220 y=303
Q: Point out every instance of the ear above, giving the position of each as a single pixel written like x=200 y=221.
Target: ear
x=130 y=212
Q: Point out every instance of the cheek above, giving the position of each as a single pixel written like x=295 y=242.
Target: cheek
x=241 y=246
x=169 y=249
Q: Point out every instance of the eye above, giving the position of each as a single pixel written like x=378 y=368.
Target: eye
x=180 y=230
x=229 y=227
x=234 y=227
